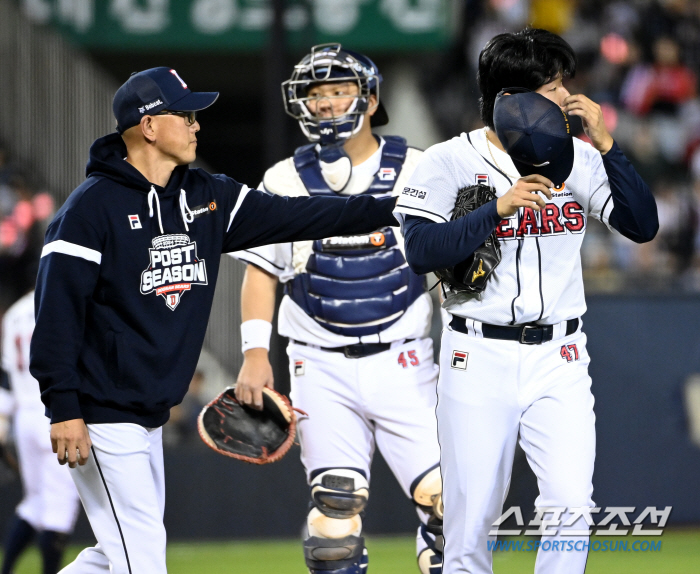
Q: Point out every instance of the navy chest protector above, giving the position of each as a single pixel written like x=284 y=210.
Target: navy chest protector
x=355 y=285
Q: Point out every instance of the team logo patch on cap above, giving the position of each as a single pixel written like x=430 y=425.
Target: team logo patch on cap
x=459 y=360
x=134 y=222
x=299 y=368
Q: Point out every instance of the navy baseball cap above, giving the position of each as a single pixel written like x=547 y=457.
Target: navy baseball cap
x=155 y=90
x=535 y=133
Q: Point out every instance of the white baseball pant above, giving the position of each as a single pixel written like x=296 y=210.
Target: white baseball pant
x=123 y=492
x=50 y=500
x=388 y=399
x=489 y=392
x=353 y=403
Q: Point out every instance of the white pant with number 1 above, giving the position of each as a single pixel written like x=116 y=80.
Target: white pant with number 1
x=489 y=392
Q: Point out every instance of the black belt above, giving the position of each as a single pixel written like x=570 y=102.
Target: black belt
x=356 y=351
x=531 y=334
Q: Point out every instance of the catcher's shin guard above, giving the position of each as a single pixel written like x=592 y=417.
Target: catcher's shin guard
x=336 y=555
x=427 y=494
x=334 y=544
x=430 y=557
x=340 y=492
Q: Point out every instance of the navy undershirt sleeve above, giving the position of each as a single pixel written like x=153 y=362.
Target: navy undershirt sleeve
x=634 y=215
x=430 y=246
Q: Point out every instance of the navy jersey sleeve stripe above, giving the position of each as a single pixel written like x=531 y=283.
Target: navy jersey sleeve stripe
x=605 y=206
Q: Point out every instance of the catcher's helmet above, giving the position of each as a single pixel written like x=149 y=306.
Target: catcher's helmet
x=331 y=63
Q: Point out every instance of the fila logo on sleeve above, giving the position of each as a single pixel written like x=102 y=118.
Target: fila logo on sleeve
x=459 y=360
x=299 y=369
x=135 y=222
x=482 y=179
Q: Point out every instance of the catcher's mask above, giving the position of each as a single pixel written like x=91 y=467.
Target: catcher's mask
x=331 y=63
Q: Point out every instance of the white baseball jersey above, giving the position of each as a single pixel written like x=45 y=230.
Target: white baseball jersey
x=285 y=260
x=50 y=500
x=539 y=277
x=17 y=329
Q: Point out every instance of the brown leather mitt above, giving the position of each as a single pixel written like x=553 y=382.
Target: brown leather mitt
x=238 y=431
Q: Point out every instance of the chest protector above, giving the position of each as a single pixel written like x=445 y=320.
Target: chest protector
x=355 y=285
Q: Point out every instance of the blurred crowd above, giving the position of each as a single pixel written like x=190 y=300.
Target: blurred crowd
x=25 y=211
x=639 y=59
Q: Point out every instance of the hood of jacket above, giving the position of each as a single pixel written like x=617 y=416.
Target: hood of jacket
x=108 y=159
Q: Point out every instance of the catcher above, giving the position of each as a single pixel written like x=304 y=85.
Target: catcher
x=361 y=361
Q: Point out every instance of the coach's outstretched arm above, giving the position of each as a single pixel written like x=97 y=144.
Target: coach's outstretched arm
x=261 y=218
x=68 y=272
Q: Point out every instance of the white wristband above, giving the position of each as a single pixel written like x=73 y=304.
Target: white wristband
x=255 y=334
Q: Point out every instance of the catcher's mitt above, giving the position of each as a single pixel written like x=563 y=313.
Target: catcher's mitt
x=238 y=431
x=472 y=274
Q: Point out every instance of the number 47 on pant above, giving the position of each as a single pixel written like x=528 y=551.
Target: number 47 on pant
x=569 y=352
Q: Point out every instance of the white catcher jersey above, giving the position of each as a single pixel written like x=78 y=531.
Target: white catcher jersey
x=539 y=277
x=285 y=260
x=17 y=329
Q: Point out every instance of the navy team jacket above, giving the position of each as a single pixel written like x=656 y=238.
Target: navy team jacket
x=127 y=276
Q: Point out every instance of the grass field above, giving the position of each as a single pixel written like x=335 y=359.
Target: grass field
x=679 y=554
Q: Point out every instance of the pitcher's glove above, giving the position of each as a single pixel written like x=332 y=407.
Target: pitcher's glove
x=472 y=274
x=238 y=431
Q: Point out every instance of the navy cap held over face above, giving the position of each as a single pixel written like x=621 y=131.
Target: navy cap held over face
x=535 y=133
x=155 y=90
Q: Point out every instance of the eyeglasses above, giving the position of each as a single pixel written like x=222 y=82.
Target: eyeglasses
x=190 y=117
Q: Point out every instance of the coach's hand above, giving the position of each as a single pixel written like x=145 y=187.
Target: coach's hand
x=70 y=440
x=525 y=193
x=256 y=373
x=591 y=116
